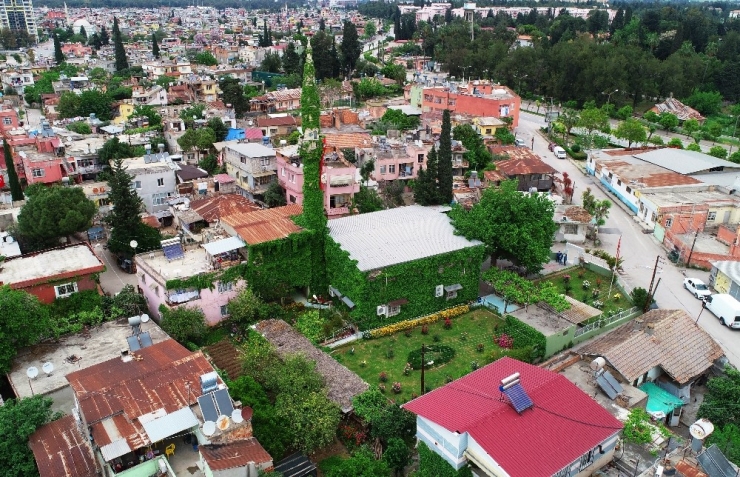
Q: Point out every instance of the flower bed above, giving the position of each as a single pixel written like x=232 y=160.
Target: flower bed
x=424 y=320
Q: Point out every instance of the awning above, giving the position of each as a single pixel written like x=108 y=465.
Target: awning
x=264 y=174
x=341 y=180
x=334 y=292
x=224 y=245
x=171 y=424
x=399 y=302
x=115 y=449
x=348 y=302
x=660 y=400
x=453 y=288
x=162 y=214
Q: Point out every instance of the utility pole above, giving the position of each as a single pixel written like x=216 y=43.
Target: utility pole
x=650 y=290
x=422 y=370
x=688 y=260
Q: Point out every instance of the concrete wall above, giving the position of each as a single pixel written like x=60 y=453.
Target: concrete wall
x=150 y=187
x=450 y=446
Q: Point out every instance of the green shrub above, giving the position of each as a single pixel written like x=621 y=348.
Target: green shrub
x=521 y=354
x=311 y=325
x=525 y=336
x=438 y=354
x=432 y=464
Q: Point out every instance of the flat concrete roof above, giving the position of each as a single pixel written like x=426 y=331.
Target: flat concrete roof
x=96 y=346
x=138 y=166
x=544 y=321
x=193 y=262
x=251 y=149
x=670 y=198
x=684 y=161
x=49 y=263
x=705 y=243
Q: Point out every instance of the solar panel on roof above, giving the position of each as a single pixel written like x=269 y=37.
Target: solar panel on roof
x=223 y=401
x=133 y=343
x=208 y=407
x=145 y=339
x=173 y=251
x=611 y=380
x=518 y=397
x=606 y=387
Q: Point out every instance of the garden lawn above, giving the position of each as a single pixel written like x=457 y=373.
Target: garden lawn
x=467 y=332
x=597 y=282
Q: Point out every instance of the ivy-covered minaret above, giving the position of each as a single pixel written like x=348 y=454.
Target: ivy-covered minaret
x=311 y=152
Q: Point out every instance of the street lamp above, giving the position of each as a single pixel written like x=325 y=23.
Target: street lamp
x=609 y=96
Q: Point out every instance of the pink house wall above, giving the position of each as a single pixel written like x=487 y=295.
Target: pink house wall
x=291 y=179
x=52 y=171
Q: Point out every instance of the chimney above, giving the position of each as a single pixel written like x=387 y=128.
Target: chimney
x=649 y=329
x=637 y=324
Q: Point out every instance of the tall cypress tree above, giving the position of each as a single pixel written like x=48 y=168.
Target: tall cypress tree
x=121 y=61
x=104 y=38
x=155 y=46
x=83 y=32
x=311 y=152
x=426 y=191
x=58 y=55
x=444 y=174
x=15 y=186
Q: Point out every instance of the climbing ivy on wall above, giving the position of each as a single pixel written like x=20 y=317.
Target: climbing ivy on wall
x=414 y=281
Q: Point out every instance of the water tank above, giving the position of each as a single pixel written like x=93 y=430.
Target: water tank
x=598 y=363
x=208 y=382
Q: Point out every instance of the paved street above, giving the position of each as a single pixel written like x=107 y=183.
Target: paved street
x=639 y=250
x=113 y=279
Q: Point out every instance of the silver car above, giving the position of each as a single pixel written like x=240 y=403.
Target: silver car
x=697 y=288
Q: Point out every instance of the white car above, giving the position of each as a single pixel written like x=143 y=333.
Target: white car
x=697 y=288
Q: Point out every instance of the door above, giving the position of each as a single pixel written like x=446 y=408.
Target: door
x=675 y=416
x=726 y=218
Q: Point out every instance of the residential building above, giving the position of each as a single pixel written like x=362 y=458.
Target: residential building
x=277 y=126
x=17 y=79
x=122 y=111
x=277 y=101
x=395 y=159
x=504 y=418
x=42 y=168
x=153 y=179
x=61 y=451
x=54 y=273
x=156 y=69
x=160 y=275
x=725 y=277
x=338 y=180
x=425 y=266
x=487 y=126
x=200 y=219
x=252 y=165
x=664 y=349
x=206 y=90
x=342 y=384
x=526 y=167
x=98 y=193
x=154 y=96
x=573 y=222
x=9 y=247
x=19 y=15
x=681 y=111
x=475 y=98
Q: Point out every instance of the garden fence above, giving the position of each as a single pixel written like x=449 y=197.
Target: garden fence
x=606 y=320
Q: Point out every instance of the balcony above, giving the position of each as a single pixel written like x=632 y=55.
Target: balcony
x=337 y=211
x=179 y=297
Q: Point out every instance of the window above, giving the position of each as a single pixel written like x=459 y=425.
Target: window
x=65 y=290
x=712 y=216
x=160 y=199
x=224 y=287
x=282 y=171
x=392 y=169
x=143 y=278
x=7 y=121
x=619 y=183
x=563 y=473
x=224 y=310
x=136 y=184
x=382 y=169
x=668 y=222
x=38 y=172
x=420 y=158
x=156 y=290
x=588 y=458
x=264 y=161
x=244 y=160
x=629 y=191
x=394 y=310
x=451 y=294
x=160 y=182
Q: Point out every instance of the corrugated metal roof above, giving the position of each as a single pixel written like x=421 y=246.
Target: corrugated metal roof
x=265 y=225
x=729 y=268
x=214 y=208
x=641 y=174
x=252 y=149
x=683 y=161
x=61 y=451
x=564 y=423
x=345 y=140
x=115 y=449
x=169 y=425
x=235 y=454
x=224 y=245
x=666 y=338
x=399 y=235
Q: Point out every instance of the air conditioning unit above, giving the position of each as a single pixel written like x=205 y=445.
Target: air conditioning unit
x=382 y=310
x=439 y=290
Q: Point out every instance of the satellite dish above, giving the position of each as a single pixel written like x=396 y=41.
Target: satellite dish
x=223 y=422
x=236 y=416
x=701 y=429
x=133 y=244
x=598 y=363
x=209 y=428
x=247 y=413
x=32 y=372
x=48 y=367
x=144 y=318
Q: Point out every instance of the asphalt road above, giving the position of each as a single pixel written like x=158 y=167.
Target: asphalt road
x=639 y=250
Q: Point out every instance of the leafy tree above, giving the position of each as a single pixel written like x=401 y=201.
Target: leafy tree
x=220 y=130
x=651 y=116
x=432 y=464
x=368 y=88
x=394 y=71
x=104 y=38
x=324 y=60
x=444 y=156
x=155 y=46
x=165 y=81
x=245 y=308
x=209 y=164
x=127 y=302
x=271 y=63
x=706 y=102
x=397 y=455
x=510 y=224
x=632 y=131
x=189 y=115
x=426 y=189
x=184 y=324
x=205 y=58
x=313 y=419
x=120 y=51
x=200 y=139
x=89 y=102
x=275 y=195
x=691 y=126
x=370 y=404
x=599 y=209
x=19 y=419
x=478 y=155
x=668 y=121
x=80 y=127
x=16 y=192
x=505 y=136
x=23 y=321
x=351 y=47
x=625 y=112
x=720 y=403
x=82 y=32
x=124 y=218
x=58 y=55
x=399 y=120
x=291 y=60
x=233 y=94
x=55 y=212
x=718 y=151
x=361 y=464
x=639 y=297
x=592 y=120
x=115 y=149
x=727 y=438
x=694 y=147
x=675 y=142
x=367 y=200
x=150 y=112
x=370 y=29
x=570 y=119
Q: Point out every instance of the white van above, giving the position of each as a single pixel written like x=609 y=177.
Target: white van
x=726 y=308
x=559 y=152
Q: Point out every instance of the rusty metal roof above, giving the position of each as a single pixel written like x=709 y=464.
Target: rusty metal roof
x=345 y=140
x=213 y=208
x=642 y=174
x=278 y=121
x=115 y=393
x=235 y=454
x=666 y=338
x=523 y=161
x=61 y=451
x=266 y=225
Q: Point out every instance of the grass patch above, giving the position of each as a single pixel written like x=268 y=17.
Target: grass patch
x=586 y=295
x=467 y=332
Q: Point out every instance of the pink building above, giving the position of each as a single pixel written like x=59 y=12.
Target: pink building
x=160 y=276
x=41 y=168
x=338 y=179
x=395 y=160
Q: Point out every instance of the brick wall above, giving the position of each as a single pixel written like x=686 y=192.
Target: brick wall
x=726 y=235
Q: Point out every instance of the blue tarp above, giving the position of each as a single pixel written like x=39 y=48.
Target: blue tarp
x=234 y=134
x=660 y=400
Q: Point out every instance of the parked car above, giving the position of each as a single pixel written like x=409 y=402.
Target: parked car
x=519 y=142
x=724 y=307
x=696 y=287
x=559 y=152
x=126 y=264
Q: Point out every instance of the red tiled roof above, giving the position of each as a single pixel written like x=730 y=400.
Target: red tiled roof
x=235 y=454
x=265 y=225
x=252 y=133
x=214 y=208
x=563 y=424
x=344 y=140
x=279 y=121
x=61 y=451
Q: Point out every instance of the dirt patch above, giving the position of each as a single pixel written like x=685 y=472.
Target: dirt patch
x=335 y=448
x=226 y=357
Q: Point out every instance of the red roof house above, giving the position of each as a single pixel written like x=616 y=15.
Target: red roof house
x=560 y=430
